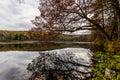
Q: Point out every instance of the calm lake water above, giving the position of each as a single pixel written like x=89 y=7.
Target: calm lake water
x=13 y=64
x=15 y=58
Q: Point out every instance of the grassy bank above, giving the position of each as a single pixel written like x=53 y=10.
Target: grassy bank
x=106 y=66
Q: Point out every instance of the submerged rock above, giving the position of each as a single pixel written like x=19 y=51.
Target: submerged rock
x=69 y=63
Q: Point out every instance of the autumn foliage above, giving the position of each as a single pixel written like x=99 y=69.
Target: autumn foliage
x=73 y=15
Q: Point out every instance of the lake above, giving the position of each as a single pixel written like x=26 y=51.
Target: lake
x=14 y=58
x=13 y=64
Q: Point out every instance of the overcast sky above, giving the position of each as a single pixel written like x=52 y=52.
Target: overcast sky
x=17 y=16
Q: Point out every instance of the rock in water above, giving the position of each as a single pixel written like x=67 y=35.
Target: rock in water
x=69 y=63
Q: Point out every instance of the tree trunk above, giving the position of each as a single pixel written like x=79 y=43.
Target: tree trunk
x=99 y=27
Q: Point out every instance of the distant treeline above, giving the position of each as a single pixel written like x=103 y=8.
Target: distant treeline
x=41 y=36
x=14 y=36
x=51 y=36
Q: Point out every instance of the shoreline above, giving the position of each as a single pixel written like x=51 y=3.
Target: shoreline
x=31 y=42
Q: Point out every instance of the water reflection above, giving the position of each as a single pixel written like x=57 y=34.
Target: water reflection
x=41 y=46
x=13 y=64
x=14 y=58
x=63 y=64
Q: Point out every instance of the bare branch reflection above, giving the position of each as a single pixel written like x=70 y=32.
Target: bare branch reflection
x=56 y=66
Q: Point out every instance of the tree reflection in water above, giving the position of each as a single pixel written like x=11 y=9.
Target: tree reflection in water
x=61 y=66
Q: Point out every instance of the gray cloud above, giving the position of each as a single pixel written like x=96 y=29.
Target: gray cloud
x=17 y=16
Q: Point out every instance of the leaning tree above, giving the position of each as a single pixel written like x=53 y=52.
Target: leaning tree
x=73 y=15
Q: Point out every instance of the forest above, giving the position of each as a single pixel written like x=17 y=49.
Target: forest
x=6 y=36
x=10 y=36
